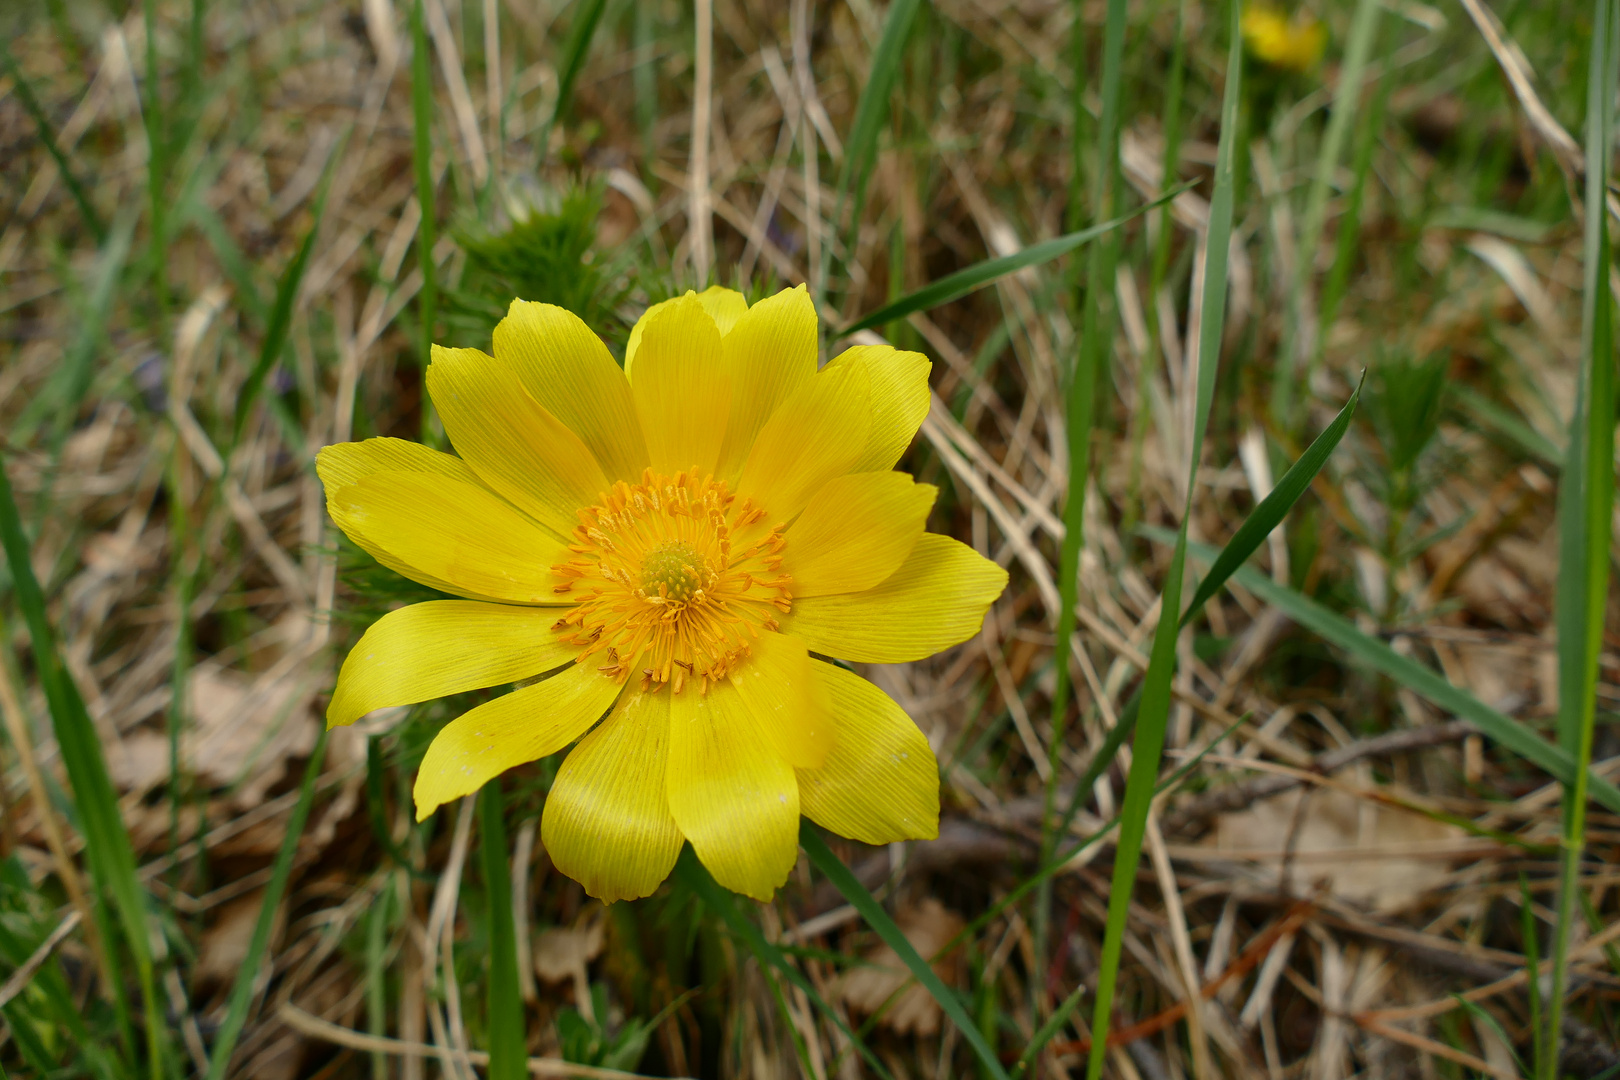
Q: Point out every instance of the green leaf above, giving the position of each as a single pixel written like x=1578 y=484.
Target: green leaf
x=1418 y=678
x=508 y=1041
x=878 y=919
x=107 y=846
x=692 y=873
x=247 y=976
x=980 y=274
x=1274 y=507
x=1154 y=714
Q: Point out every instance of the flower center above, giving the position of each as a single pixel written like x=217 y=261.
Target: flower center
x=674 y=577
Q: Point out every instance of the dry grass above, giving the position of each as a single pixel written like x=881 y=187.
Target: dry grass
x=1315 y=889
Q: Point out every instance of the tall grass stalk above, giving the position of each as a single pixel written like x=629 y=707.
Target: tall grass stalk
x=1096 y=341
x=1585 y=505
x=1156 y=683
x=508 y=1049
x=427 y=301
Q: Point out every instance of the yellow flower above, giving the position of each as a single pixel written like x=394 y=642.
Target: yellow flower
x=1294 y=43
x=679 y=544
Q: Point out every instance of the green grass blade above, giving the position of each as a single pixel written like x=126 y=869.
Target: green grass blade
x=822 y=857
x=1154 y=715
x=1421 y=680
x=1274 y=507
x=1489 y=1022
x=107 y=846
x=1048 y=1031
x=580 y=33
x=508 y=1042
x=860 y=149
x=1080 y=406
x=1585 y=506
x=377 y=977
x=280 y=324
x=718 y=900
x=47 y=135
x=427 y=301
x=980 y=274
x=242 y=990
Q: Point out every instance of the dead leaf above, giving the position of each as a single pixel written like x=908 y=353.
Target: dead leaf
x=1368 y=853
x=928 y=926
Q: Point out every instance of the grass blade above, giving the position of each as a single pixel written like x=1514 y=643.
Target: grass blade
x=42 y=125
x=1274 y=507
x=1080 y=405
x=107 y=846
x=275 y=334
x=878 y=919
x=1154 y=715
x=580 y=33
x=860 y=150
x=1585 y=505
x=427 y=301
x=980 y=274
x=243 y=990
x=1418 y=678
x=692 y=873
x=508 y=1044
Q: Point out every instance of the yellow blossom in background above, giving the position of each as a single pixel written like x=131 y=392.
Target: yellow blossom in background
x=1295 y=43
x=673 y=546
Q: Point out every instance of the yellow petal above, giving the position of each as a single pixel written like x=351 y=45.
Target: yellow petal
x=899 y=383
x=570 y=372
x=510 y=440
x=725 y=306
x=681 y=387
x=787 y=703
x=426 y=651
x=449 y=531
x=818 y=434
x=855 y=533
x=607 y=823
x=881 y=782
x=730 y=792
x=935 y=600
x=342 y=464
x=771 y=351
x=520 y=727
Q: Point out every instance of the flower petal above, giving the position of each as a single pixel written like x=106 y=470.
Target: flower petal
x=681 y=387
x=519 y=727
x=778 y=688
x=426 y=651
x=511 y=441
x=607 y=823
x=819 y=433
x=935 y=600
x=725 y=306
x=771 y=351
x=855 y=532
x=453 y=532
x=881 y=782
x=570 y=372
x=730 y=792
x=342 y=464
x=899 y=383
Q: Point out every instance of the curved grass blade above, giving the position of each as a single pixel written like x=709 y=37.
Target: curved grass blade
x=580 y=33
x=980 y=274
x=275 y=333
x=1154 y=716
x=1418 y=678
x=878 y=919
x=247 y=976
x=427 y=301
x=1275 y=506
x=508 y=1045
x=107 y=847
x=719 y=900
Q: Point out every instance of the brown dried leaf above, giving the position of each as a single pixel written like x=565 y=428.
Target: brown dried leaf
x=928 y=926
